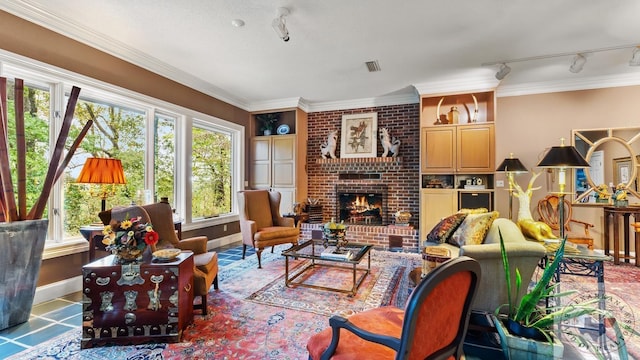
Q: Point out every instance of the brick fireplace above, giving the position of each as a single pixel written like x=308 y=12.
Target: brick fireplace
x=398 y=176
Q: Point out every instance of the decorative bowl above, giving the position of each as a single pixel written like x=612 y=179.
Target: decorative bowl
x=166 y=254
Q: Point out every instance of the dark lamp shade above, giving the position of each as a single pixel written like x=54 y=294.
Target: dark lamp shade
x=102 y=171
x=563 y=157
x=513 y=165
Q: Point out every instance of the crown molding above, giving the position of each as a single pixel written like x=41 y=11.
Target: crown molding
x=596 y=82
x=295 y=102
x=364 y=103
x=471 y=84
x=67 y=27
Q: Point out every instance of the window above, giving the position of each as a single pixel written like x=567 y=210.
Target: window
x=149 y=136
x=211 y=159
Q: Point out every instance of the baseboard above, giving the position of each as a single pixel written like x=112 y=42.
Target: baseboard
x=225 y=240
x=57 y=289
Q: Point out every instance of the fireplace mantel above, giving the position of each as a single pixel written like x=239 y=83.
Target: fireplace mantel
x=360 y=164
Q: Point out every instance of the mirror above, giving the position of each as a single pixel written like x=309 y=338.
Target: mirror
x=613 y=155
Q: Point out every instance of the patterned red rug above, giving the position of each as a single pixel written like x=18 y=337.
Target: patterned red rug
x=254 y=316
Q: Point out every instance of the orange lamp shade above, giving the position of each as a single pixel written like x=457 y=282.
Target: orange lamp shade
x=102 y=171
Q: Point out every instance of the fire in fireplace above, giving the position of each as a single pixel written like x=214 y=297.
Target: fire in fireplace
x=361 y=208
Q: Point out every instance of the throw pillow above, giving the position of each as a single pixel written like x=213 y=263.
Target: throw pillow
x=441 y=232
x=473 y=229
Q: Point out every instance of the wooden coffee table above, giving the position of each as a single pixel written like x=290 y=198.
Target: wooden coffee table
x=312 y=249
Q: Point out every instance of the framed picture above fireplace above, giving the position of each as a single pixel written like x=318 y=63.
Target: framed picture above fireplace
x=359 y=135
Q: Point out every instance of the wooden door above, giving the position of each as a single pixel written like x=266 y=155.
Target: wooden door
x=438 y=144
x=475 y=149
x=435 y=204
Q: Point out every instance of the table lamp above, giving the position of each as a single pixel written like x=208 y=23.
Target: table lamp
x=103 y=171
x=511 y=166
x=562 y=157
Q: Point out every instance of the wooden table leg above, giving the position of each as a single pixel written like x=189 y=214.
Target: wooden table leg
x=616 y=240
x=626 y=237
x=607 y=219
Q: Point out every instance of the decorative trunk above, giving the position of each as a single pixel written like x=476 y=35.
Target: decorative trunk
x=21 y=248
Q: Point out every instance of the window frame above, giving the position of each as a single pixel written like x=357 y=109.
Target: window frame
x=60 y=82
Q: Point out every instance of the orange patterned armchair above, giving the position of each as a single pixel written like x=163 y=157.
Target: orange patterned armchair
x=432 y=326
x=261 y=224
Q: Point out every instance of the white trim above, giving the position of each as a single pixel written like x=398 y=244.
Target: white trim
x=546 y=87
x=57 y=289
x=476 y=84
x=225 y=240
x=64 y=248
x=364 y=103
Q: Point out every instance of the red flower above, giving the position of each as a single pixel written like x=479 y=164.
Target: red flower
x=151 y=237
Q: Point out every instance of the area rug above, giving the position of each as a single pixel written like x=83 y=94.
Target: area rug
x=254 y=316
x=622 y=300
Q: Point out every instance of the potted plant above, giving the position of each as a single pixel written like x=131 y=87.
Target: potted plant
x=23 y=233
x=528 y=330
x=268 y=121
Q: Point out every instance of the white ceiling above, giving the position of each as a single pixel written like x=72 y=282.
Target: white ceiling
x=428 y=45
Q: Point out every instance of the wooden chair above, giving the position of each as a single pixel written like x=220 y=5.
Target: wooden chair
x=548 y=208
x=432 y=326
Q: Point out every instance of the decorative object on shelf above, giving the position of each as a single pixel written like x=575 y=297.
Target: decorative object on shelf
x=335 y=235
x=104 y=171
x=388 y=144
x=402 y=218
x=283 y=129
x=127 y=239
x=268 y=122
x=358 y=136
x=453 y=116
x=620 y=196
x=328 y=148
x=23 y=232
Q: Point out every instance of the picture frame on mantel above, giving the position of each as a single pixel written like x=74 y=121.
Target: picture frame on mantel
x=359 y=135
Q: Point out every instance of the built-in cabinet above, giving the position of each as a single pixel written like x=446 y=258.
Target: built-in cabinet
x=277 y=162
x=457 y=160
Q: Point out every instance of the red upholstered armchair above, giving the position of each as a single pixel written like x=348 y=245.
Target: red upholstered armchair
x=261 y=224
x=432 y=326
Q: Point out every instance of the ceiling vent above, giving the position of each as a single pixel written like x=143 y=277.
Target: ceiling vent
x=373 y=66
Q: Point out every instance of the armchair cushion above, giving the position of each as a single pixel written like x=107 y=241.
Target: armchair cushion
x=275 y=232
x=473 y=229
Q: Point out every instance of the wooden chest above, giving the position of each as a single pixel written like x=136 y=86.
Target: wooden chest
x=136 y=303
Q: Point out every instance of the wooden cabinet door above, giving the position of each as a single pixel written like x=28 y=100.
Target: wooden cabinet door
x=283 y=161
x=260 y=166
x=435 y=204
x=475 y=150
x=438 y=145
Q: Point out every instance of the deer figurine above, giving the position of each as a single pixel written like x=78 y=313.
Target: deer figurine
x=528 y=226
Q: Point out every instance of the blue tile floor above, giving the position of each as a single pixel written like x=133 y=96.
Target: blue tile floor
x=52 y=318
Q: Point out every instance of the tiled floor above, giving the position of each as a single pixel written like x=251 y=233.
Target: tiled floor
x=54 y=317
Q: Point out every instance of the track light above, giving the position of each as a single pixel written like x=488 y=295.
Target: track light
x=578 y=63
x=504 y=71
x=280 y=25
x=635 y=59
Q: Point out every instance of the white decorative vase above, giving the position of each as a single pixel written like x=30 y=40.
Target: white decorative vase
x=517 y=347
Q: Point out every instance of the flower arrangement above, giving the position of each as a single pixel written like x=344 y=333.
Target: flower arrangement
x=129 y=238
x=268 y=120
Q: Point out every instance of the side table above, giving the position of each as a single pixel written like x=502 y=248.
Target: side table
x=93 y=234
x=136 y=303
x=612 y=215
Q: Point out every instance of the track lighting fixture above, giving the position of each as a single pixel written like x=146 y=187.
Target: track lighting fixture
x=280 y=25
x=578 y=63
x=635 y=58
x=504 y=71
